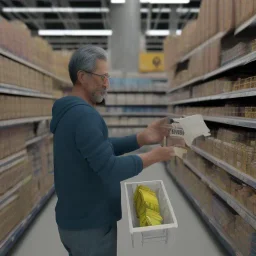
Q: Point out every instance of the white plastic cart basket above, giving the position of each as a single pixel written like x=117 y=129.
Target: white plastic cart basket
x=151 y=233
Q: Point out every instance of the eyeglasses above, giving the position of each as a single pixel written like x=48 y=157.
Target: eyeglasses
x=103 y=77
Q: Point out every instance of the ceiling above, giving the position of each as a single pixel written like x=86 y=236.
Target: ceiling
x=95 y=21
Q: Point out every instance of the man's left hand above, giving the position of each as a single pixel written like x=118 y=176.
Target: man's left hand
x=154 y=133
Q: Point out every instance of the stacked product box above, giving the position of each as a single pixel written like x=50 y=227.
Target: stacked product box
x=231 y=224
x=13 y=107
x=236 y=147
x=26 y=149
x=18 y=40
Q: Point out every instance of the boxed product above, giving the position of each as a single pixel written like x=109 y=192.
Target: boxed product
x=12 y=176
x=10 y=216
x=226 y=15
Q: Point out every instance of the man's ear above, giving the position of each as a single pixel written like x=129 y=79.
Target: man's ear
x=81 y=76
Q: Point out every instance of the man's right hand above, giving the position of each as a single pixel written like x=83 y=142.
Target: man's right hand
x=156 y=155
x=163 y=153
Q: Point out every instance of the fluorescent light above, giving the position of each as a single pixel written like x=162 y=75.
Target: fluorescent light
x=54 y=9
x=165 y=1
x=77 y=32
x=161 y=32
x=168 y=10
x=87 y=10
x=117 y=1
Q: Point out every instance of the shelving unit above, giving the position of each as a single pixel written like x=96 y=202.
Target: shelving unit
x=17 y=232
x=246 y=25
x=26 y=185
x=12 y=160
x=200 y=47
x=135 y=114
x=225 y=166
x=234 y=121
x=16 y=90
x=229 y=95
x=251 y=57
x=23 y=120
x=31 y=65
x=137 y=104
x=234 y=65
x=132 y=90
x=123 y=112
x=226 y=241
x=37 y=139
x=238 y=207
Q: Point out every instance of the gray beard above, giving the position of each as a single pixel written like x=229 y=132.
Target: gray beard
x=98 y=98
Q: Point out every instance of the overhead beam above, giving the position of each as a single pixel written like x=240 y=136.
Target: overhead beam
x=54 y=21
x=149 y=17
x=105 y=16
x=70 y=40
x=70 y=47
x=158 y=18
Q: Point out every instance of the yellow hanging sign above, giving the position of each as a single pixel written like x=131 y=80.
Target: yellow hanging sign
x=151 y=62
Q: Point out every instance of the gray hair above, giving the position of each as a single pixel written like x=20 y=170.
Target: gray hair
x=85 y=58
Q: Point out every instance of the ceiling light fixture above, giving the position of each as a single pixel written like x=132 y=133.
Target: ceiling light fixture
x=77 y=32
x=53 y=9
x=161 y=32
x=117 y=1
x=165 y=1
x=168 y=10
x=87 y=10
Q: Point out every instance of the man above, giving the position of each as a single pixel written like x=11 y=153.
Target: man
x=88 y=167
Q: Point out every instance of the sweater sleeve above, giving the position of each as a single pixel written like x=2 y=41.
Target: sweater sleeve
x=99 y=153
x=125 y=144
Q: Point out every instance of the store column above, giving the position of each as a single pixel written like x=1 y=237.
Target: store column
x=125 y=41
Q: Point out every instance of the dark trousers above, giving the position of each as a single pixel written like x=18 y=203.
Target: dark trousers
x=91 y=242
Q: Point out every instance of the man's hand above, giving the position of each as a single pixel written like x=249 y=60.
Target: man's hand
x=156 y=155
x=154 y=133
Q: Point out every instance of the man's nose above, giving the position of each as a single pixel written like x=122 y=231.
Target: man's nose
x=106 y=84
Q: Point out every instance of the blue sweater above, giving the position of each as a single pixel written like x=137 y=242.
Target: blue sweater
x=87 y=166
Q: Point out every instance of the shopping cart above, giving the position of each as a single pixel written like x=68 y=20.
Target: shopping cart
x=150 y=233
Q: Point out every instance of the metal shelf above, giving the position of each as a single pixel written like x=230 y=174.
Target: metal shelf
x=36 y=139
x=203 y=45
x=13 y=237
x=230 y=95
x=10 y=192
x=229 y=245
x=249 y=217
x=236 y=63
x=136 y=104
x=33 y=66
x=23 y=120
x=190 y=82
x=248 y=23
x=126 y=125
x=225 y=166
x=136 y=91
x=235 y=121
x=135 y=114
x=12 y=160
x=16 y=90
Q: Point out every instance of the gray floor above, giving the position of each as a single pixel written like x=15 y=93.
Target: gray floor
x=191 y=238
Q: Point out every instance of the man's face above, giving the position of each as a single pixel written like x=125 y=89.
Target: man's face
x=98 y=83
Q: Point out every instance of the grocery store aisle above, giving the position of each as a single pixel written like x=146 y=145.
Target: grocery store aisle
x=191 y=238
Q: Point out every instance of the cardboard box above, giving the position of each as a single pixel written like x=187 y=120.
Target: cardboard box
x=10 y=216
